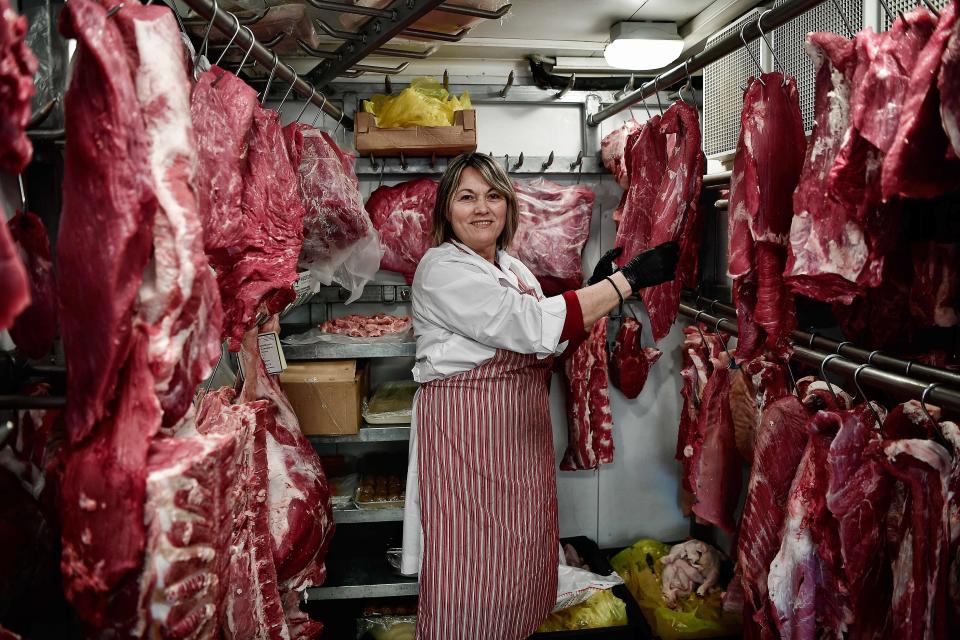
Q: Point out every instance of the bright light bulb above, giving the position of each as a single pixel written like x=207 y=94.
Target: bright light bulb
x=643 y=45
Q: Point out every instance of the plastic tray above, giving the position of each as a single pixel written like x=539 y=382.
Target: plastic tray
x=392 y=403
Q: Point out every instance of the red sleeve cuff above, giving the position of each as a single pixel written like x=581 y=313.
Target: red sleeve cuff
x=573 y=323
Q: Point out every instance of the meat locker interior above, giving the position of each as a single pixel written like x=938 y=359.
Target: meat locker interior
x=310 y=325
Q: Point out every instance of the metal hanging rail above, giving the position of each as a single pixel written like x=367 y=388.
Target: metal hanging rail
x=843 y=366
x=726 y=45
x=846 y=349
x=227 y=24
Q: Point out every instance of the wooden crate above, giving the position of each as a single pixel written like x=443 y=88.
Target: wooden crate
x=459 y=138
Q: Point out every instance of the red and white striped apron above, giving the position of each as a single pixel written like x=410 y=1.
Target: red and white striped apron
x=488 y=501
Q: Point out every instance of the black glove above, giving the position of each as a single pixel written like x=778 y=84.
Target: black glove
x=604 y=266
x=652 y=267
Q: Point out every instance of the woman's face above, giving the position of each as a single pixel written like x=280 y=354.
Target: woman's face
x=477 y=213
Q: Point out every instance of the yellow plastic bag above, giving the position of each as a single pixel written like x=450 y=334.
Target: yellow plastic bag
x=602 y=609
x=640 y=567
x=425 y=102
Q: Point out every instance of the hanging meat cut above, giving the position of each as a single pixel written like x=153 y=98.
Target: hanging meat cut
x=647 y=163
x=935 y=292
x=700 y=352
x=17 y=68
x=630 y=362
x=766 y=169
x=35 y=328
x=14 y=285
x=614 y=151
x=948 y=83
x=553 y=226
x=402 y=215
x=589 y=418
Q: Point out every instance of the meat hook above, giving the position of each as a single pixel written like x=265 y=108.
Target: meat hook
x=843 y=18
x=519 y=162
x=253 y=41
x=23 y=192
x=886 y=10
x=716 y=330
x=841 y=346
x=773 y=53
x=546 y=164
x=856 y=383
x=823 y=374
x=685 y=68
x=313 y=92
x=433 y=160
x=752 y=55
x=273 y=70
x=319 y=111
x=339 y=122
x=813 y=336
x=578 y=162
x=931 y=8
x=627 y=88
x=387 y=85
x=403 y=162
x=506 y=89
x=446 y=80
x=793 y=379
x=563 y=92
x=373 y=162
x=656 y=91
x=293 y=82
x=113 y=11
x=870 y=357
x=923 y=403
x=204 y=47
x=696 y=323
x=906 y=371
x=232 y=38
x=646 y=106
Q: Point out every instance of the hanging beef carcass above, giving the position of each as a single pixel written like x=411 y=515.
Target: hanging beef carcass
x=17 y=68
x=35 y=328
x=589 y=418
x=766 y=170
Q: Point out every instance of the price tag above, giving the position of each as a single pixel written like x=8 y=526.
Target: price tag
x=304 y=284
x=271 y=352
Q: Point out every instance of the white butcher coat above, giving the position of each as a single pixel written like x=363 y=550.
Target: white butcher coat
x=464 y=309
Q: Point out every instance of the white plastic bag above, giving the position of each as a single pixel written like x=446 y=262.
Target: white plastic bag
x=577 y=585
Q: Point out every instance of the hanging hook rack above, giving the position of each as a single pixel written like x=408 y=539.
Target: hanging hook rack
x=506 y=89
x=566 y=89
x=546 y=164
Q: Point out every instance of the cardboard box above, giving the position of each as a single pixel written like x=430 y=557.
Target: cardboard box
x=461 y=137
x=326 y=395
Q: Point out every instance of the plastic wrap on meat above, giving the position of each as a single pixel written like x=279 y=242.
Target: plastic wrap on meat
x=675 y=215
x=589 y=418
x=917 y=165
x=292 y=21
x=17 y=68
x=948 y=83
x=35 y=328
x=647 y=163
x=340 y=243
x=614 y=151
x=935 y=291
x=402 y=215
x=14 y=284
x=766 y=170
x=108 y=203
x=361 y=326
x=553 y=226
x=630 y=362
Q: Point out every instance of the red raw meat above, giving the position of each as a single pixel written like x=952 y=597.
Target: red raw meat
x=647 y=163
x=14 y=285
x=589 y=419
x=921 y=561
x=614 y=151
x=108 y=203
x=808 y=596
x=553 y=226
x=403 y=215
x=675 y=213
x=17 y=68
x=780 y=441
x=179 y=304
x=630 y=362
x=340 y=243
x=917 y=165
x=951 y=433
x=291 y=20
x=908 y=420
x=700 y=352
x=766 y=170
x=35 y=328
x=948 y=83
x=935 y=292
x=361 y=326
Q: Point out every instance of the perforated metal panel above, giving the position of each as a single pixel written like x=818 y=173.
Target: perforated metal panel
x=896 y=6
x=722 y=93
x=789 y=41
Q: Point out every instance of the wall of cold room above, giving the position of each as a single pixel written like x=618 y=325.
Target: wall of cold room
x=637 y=495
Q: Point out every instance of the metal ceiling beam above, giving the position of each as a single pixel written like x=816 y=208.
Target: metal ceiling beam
x=372 y=36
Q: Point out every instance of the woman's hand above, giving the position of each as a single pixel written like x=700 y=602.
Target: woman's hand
x=604 y=266
x=652 y=267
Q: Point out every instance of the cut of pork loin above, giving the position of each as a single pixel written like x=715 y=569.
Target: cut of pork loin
x=35 y=328
x=589 y=418
x=614 y=151
x=646 y=163
x=14 y=285
x=17 y=68
x=630 y=362
x=948 y=83
x=98 y=289
x=402 y=215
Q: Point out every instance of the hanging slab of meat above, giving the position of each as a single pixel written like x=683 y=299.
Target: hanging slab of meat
x=675 y=213
x=917 y=165
x=808 y=596
x=614 y=151
x=179 y=303
x=340 y=243
x=403 y=214
x=108 y=203
x=780 y=443
x=922 y=535
x=35 y=328
x=589 y=418
x=766 y=170
x=700 y=352
x=948 y=83
x=908 y=421
x=14 y=285
x=553 y=226
x=935 y=291
x=17 y=68
x=647 y=162
x=630 y=362
x=951 y=433
x=754 y=386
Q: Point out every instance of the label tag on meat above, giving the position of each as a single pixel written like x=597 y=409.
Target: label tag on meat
x=304 y=285
x=271 y=353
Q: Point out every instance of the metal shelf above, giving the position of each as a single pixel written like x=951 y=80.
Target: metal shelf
x=368 y=433
x=328 y=351
x=363 y=575
x=356 y=515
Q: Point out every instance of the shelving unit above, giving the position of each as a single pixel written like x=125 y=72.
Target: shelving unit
x=332 y=351
x=368 y=433
x=357 y=515
x=363 y=575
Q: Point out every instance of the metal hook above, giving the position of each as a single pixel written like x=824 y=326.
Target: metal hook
x=446 y=80
x=646 y=107
x=696 y=323
x=273 y=71
x=319 y=111
x=793 y=379
x=923 y=403
x=549 y=161
x=339 y=122
x=716 y=330
x=232 y=38
x=113 y=11
x=23 y=192
x=313 y=92
x=373 y=162
x=656 y=90
x=856 y=383
x=563 y=92
x=627 y=88
x=870 y=357
x=519 y=162
x=387 y=85
x=841 y=346
x=752 y=56
x=204 y=47
x=823 y=374
x=813 y=336
x=770 y=46
x=403 y=162
x=906 y=371
x=433 y=160
x=506 y=89
x=382 y=164
x=931 y=8
x=843 y=18
x=287 y=94
x=242 y=62
x=578 y=162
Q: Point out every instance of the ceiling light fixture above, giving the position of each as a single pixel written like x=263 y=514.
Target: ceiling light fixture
x=642 y=46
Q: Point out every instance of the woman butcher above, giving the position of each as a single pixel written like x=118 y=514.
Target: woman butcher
x=481 y=516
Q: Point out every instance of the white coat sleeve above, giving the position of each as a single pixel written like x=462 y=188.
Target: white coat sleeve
x=462 y=298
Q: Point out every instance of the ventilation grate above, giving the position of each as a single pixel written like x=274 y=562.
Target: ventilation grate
x=896 y=6
x=722 y=93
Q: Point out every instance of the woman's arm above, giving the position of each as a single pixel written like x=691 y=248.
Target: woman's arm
x=597 y=300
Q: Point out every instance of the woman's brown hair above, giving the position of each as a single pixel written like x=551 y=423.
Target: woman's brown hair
x=441 y=230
